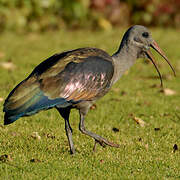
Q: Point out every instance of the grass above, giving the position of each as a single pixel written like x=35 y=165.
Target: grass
x=144 y=153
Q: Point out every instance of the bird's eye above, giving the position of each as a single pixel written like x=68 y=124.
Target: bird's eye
x=145 y=34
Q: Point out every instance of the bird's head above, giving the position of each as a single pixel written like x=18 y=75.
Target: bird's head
x=138 y=38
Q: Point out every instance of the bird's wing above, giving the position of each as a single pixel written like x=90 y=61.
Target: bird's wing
x=83 y=74
x=85 y=80
x=69 y=77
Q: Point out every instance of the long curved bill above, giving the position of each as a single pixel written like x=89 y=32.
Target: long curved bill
x=155 y=46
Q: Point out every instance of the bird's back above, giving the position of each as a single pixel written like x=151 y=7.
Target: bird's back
x=63 y=79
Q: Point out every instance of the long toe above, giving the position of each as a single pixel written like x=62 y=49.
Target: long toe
x=104 y=142
x=112 y=144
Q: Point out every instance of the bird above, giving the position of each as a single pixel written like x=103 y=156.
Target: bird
x=76 y=79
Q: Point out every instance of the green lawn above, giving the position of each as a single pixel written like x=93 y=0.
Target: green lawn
x=144 y=153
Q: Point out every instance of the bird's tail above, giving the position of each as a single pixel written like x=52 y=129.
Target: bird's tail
x=26 y=99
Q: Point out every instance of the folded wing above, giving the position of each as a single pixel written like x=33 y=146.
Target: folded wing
x=63 y=79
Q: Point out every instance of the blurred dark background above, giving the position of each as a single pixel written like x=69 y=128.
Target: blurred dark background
x=43 y=15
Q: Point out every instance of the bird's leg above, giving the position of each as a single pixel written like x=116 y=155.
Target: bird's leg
x=69 y=136
x=96 y=137
x=65 y=114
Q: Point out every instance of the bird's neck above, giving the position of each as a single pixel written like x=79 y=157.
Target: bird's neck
x=123 y=59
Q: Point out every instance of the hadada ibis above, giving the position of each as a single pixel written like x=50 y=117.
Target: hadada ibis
x=76 y=79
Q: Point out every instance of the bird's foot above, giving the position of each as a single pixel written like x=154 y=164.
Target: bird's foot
x=72 y=151
x=103 y=142
x=100 y=142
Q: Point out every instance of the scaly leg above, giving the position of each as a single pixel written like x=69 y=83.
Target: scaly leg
x=65 y=114
x=98 y=139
